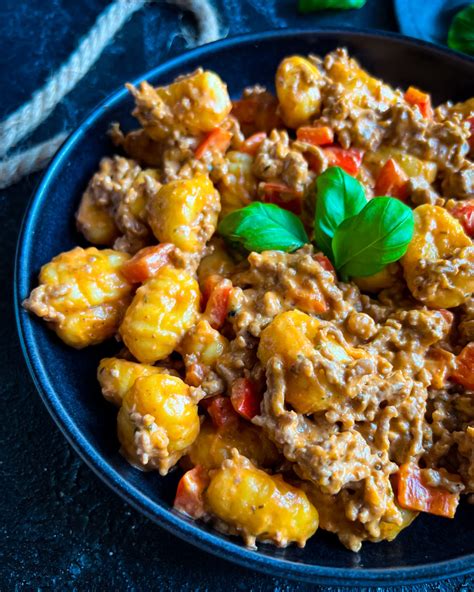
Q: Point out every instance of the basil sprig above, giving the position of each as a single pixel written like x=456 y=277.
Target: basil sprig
x=264 y=227
x=359 y=236
x=314 y=5
x=461 y=31
x=378 y=235
x=339 y=196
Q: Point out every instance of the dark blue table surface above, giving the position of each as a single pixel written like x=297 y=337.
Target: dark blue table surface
x=60 y=528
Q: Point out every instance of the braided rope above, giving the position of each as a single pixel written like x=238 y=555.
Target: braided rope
x=28 y=117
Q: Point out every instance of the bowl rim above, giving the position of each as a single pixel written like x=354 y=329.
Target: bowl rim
x=172 y=521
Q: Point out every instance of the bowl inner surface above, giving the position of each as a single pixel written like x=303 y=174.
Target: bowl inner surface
x=66 y=378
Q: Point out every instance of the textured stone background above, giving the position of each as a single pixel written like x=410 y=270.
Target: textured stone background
x=60 y=528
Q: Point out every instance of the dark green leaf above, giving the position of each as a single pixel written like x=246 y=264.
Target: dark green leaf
x=378 y=235
x=461 y=32
x=264 y=227
x=314 y=5
x=339 y=196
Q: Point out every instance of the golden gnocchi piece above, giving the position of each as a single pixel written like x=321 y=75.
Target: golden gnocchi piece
x=260 y=506
x=158 y=421
x=298 y=86
x=214 y=445
x=192 y=104
x=238 y=187
x=82 y=295
x=359 y=88
x=116 y=377
x=307 y=350
x=217 y=262
x=161 y=312
x=204 y=344
x=184 y=212
x=113 y=207
x=95 y=222
x=439 y=262
x=385 y=278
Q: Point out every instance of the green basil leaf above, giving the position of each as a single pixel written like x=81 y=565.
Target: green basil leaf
x=264 y=227
x=313 y=5
x=461 y=31
x=339 y=196
x=376 y=236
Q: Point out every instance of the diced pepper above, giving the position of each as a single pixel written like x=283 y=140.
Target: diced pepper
x=252 y=143
x=419 y=99
x=464 y=372
x=217 y=140
x=283 y=196
x=189 y=493
x=317 y=136
x=245 y=398
x=392 y=181
x=414 y=493
x=218 y=303
x=221 y=411
x=324 y=262
x=464 y=212
x=147 y=262
x=349 y=160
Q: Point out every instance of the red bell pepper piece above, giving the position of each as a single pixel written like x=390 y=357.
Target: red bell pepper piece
x=217 y=305
x=413 y=493
x=146 y=263
x=253 y=143
x=349 y=160
x=316 y=136
x=464 y=212
x=392 y=181
x=189 y=493
x=419 y=99
x=464 y=371
x=324 y=262
x=245 y=398
x=220 y=411
x=217 y=140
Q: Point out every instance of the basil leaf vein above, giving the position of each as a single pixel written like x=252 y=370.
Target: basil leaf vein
x=378 y=235
x=264 y=227
x=339 y=196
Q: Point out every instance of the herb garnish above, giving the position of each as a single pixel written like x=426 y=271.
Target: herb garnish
x=314 y=5
x=264 y=227
x=461 y=31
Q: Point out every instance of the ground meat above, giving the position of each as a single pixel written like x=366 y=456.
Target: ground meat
x=466 y=325
x=459 y=184
x=277 y=281
x=121 y=188
x=276 y=160
x=421 y=192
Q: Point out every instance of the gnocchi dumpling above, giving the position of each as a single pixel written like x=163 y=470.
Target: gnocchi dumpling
x=116 y=377
x=439 y=262
x=82 y=295
x=162 y=310
x=260 y=506
x=158 y=421
x=193 y=104
x=184 y=212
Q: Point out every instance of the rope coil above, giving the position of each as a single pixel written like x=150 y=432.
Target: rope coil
x=29 y=116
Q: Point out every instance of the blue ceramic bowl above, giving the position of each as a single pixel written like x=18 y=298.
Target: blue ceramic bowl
x=433 y=548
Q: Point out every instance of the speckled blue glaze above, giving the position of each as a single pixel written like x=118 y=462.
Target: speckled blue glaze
x=433 y=548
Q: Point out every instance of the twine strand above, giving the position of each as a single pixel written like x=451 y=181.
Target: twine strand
x=29 y=116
